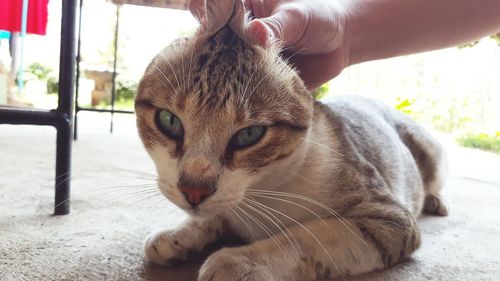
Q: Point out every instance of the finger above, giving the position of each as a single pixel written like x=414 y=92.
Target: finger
x=315 y=70
x=285 y=26
x=249 y=6
x=259 y=8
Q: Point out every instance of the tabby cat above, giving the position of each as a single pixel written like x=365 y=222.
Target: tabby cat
x=315 y=190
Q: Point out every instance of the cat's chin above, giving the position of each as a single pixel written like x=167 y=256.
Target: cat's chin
x=203 y=211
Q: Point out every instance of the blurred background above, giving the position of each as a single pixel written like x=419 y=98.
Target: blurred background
x=455 y=91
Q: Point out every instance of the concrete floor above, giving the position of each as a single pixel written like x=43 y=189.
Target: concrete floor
x=103 y=236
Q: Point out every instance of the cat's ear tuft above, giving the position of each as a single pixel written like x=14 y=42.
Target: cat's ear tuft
x=219 y=13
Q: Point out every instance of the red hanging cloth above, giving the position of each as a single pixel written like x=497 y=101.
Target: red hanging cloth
x=11 y=14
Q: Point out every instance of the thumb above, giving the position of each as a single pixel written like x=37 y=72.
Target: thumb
x=281 y=26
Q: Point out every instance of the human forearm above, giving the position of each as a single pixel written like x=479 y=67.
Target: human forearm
x=387 y=28
x=322 y=37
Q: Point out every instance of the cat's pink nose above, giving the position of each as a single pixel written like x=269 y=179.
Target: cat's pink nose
x=196 y=194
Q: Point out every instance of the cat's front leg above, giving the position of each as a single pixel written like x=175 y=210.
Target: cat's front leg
x=170 y=247
x=235 y=264
x=320 y=249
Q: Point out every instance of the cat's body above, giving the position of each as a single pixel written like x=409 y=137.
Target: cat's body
x=317 y=191
x=357 y=150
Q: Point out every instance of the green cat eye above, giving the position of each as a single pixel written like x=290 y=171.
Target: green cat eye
x=248 y=136
x=169 y=124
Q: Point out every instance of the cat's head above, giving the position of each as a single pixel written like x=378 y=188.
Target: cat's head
x=219 y=114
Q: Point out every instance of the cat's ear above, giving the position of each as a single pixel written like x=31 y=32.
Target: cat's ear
x=219 y=13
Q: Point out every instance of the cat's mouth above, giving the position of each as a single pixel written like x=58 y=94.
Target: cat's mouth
x=212 y=207
x=202 y=203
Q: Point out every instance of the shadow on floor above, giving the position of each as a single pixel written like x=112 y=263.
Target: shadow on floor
x=183 y=272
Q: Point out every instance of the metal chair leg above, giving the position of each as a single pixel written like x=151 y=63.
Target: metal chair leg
x=65 y=107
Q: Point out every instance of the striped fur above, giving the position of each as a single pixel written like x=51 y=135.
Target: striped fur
x=330 y=190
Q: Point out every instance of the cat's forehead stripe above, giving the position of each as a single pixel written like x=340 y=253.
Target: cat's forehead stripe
x=223 y=63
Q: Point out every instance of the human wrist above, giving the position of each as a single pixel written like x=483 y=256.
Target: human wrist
x=379 y=29
x=357 y=33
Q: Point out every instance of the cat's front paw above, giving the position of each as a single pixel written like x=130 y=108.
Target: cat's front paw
x=229 y=265
x=165 y=248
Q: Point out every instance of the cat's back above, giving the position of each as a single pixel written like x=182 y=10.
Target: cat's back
x=369 y=123
x=363 y=124
x=376 y=139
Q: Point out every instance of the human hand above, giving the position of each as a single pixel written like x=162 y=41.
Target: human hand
x=313 y=33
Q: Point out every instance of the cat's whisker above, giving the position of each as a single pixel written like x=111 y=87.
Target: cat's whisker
x=156 y=194
x=244 y=98
x=111 y=197
x=344 y=221
x=305 y=229
x=100 y=190
x=114 y=189
x=127 y=196
x=248 y=83
x=64 y=180
x=62 y=202
x=103 y=191
x=323 y=146
x=63 y=175
x=254 y=89
x=268 y=232
x=281 y=226
x=246 y=223
x=173 y=70
x=152 y=176
x=282 y=50
x=295 y=204
x=301 y=197
x=125 y=175
x=289 y=58
x=104 y=184
x=163 y=74
x=129 y=177
x=106 y=180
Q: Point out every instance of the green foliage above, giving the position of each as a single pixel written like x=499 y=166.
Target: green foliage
x=468 y=45
x=455 y=115
x=495 y=37
x=482 y=141
x=125 y=94
x=125 y=91
x=449 y=115
x=185 y=32
x=404 y=105
x=52 y=85
x=39 y=70
x=321 y=92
